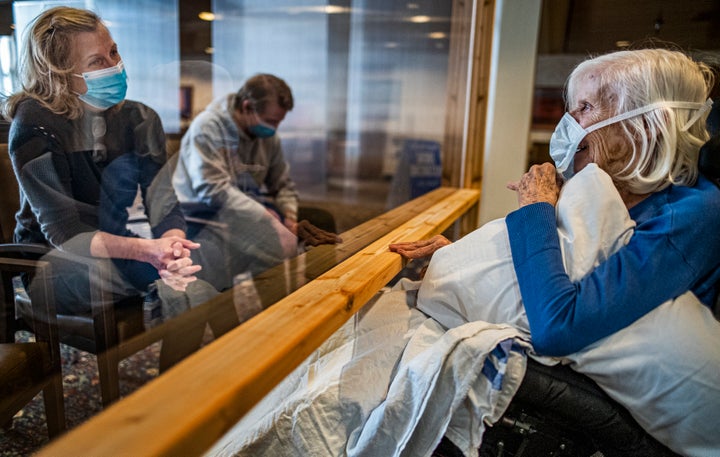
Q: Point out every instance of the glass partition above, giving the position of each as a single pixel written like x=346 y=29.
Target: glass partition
x=368 y=76
x=365 y=136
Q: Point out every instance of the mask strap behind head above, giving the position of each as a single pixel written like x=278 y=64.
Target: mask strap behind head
x=700 y=107
x=702 y=110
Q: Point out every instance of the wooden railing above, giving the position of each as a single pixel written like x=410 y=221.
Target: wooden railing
x=187 y=409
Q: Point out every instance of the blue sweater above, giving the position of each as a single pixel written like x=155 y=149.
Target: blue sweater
x=675 y=248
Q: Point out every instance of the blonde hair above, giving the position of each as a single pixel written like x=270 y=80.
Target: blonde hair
x=664 y=149
x=46 y=63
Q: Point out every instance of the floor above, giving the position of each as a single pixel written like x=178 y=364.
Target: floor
x=81 y=388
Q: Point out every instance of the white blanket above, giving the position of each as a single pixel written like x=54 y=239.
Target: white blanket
x=390 y=382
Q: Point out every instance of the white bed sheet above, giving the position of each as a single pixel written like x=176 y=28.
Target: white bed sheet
x=391 y=381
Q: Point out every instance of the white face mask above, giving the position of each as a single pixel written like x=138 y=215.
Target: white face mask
x=568 y=134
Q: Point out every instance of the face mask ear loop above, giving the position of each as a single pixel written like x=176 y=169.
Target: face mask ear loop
x=653 y=106
x=698 y=114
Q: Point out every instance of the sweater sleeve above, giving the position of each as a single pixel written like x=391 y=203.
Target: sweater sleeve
x=564 y=316
x=44 y=177
x=155 y=177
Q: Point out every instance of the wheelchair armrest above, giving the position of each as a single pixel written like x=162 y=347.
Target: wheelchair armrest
x=574 y=401
x=41 y=318
x=36 y=251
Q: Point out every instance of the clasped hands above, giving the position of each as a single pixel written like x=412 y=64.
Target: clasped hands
x=174 y=264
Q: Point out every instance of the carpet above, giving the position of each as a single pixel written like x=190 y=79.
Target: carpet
x=81 y=390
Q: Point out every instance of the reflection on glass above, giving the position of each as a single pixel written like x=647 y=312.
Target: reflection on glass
x=364 y=136
x=366 y=77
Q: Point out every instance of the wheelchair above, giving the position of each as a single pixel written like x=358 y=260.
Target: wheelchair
x=558 y=412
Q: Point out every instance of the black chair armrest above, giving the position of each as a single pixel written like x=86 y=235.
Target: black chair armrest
x=574 y=401
x=101 y=300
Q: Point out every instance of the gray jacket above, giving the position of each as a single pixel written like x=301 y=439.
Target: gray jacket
x=223 y=168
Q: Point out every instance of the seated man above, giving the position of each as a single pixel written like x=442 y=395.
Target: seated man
x=231 y=170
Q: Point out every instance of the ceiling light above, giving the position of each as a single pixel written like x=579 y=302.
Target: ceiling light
x=420 y=19
x=437 y=35
x=334 y=9
x=327 y=9
x=206 y=16
x=622 y=44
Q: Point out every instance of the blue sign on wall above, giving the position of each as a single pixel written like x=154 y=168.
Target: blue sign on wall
x=419 y=171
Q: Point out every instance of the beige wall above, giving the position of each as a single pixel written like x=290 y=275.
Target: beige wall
x=509 y=109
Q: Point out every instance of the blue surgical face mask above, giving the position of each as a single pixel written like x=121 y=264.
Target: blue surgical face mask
x=261 y=130
x=568 y=134
x=106 y=87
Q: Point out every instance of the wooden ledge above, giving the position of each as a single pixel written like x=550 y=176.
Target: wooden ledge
x=187 y=409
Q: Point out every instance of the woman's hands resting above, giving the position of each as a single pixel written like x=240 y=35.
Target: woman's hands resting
x=169 y=254
x=178 y=270
x=419 y=249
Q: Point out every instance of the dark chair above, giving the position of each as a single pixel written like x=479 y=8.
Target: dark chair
x=27 y=368
x=101 y=332
x=9 y=196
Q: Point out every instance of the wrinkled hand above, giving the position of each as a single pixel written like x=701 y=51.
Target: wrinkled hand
x=314 y=236
x=179 y=273
x=420 y=249
x=540 y=184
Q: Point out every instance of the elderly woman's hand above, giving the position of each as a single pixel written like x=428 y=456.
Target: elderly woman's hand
x=419 y=249
x=540 y=184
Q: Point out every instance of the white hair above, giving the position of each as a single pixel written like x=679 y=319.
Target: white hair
x=666 y=140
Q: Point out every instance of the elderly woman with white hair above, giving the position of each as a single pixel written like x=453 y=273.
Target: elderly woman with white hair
x=640 y=116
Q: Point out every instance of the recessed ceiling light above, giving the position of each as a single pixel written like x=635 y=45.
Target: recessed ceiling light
x=420 y=19
x=327 y=9
x=335 y=9
x=206 y=16
x=437 y=35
